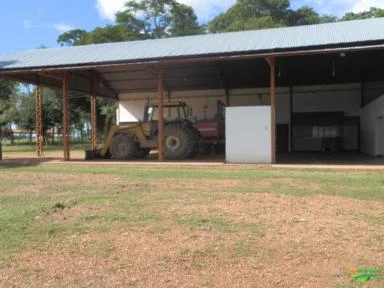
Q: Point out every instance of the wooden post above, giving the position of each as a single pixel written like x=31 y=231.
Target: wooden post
x=161 y=114
x=39 y=121
x=93 y=122
x=66 y=131
x=272 y=64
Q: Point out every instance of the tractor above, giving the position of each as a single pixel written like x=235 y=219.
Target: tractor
x=131 y=140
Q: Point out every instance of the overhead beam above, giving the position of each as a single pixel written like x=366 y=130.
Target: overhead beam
x=99 y=83
x=155 y=71
x=79 y=83
x=272 y=65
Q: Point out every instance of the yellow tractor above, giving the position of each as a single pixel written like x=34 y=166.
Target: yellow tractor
x=132 y=140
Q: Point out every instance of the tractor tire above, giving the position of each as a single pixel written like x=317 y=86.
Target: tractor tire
x=123 y=147
x=179 y=141
x=141 y=153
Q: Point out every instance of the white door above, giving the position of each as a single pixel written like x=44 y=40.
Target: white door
x=248 y=134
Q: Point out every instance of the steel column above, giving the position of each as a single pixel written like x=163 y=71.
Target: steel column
x=93 y=122
x=39 y=121
x=66 y=122
x=272 y=64
x=161 y=114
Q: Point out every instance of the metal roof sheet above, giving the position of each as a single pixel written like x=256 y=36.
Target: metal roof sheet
x=257 y=41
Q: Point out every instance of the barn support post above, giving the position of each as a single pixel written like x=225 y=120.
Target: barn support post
x=161 y=113
x=39 y=121
x=66 y=130
x=93 y=118
x=291 y=118
x=272 y=65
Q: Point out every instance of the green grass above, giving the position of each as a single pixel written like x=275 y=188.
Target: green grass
x=25 y=148
x=138 y=196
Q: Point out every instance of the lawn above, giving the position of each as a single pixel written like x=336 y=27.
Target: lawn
x=66 y=225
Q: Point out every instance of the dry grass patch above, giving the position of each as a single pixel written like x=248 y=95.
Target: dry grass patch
x=188 y=227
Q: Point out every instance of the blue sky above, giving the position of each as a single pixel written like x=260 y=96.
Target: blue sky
x=31 y=24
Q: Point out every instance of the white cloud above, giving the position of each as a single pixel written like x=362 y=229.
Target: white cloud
x=340 y=7
x=204 y=9
x=27 y=24
x=108 y=8
x=207 y=9
x=364 y=5
x=61 y=27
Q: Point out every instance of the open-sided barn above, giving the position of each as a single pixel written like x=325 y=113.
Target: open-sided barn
x=323 y=84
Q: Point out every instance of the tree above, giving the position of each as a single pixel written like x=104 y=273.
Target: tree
x=8 y=109
x=184 y=21
x=26 y=109
x=257 y=14
x=251 y=14
x=371 y=13
x=150 y=19
x=71 y=37
x=306 y=16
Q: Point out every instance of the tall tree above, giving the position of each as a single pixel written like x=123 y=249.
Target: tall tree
x=306 y=15
x=158 y=19
x=257 y=14
x=72 y=37
x=8 y=109
x=251 y=14
x=371 y=13
x=184 y=21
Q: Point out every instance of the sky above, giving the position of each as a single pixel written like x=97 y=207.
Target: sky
x=26 y=25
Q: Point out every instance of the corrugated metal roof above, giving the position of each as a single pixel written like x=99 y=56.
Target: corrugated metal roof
x=257 y=41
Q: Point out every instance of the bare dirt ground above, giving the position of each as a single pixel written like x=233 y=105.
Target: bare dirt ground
x=237 y=240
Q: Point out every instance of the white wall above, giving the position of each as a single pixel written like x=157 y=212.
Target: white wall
x=131 y=105
x=329 y=98
x=130 y=111
x=371 y=136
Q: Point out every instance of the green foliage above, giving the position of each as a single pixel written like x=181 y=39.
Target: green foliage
x=184 y=21
x=158 y=19
x=250 y=14
x=306 y=16
x=71 y=37
x=146 y=19
x=257 y=14
x=371 y=13
x=8 y=104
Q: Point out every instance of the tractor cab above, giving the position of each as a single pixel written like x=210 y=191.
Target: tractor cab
x=172 y=111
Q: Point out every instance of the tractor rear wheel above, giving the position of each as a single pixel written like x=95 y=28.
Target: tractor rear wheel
x=180 y=141
x=123 y=146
